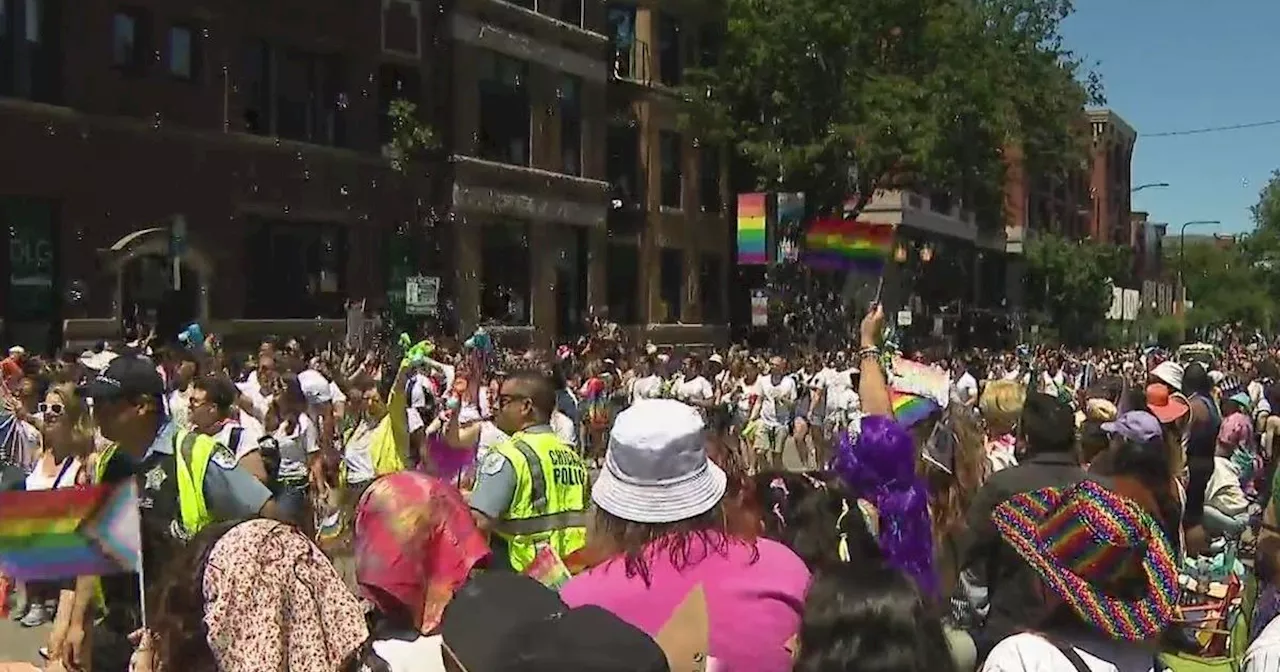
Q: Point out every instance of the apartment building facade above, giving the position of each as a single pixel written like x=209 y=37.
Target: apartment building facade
x=258 y=125
x=669 y=233
x=529 y=196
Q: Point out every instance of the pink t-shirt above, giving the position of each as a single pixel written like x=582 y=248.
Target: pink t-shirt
x=753 y=608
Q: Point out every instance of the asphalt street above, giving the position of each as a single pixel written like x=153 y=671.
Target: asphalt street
x=21 y=644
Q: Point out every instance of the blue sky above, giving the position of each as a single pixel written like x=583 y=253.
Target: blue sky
x=1172 y=65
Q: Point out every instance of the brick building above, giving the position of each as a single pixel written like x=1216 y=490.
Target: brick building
x=256 y=123
x=260 y=125
x=527 y=154
x=669 y=226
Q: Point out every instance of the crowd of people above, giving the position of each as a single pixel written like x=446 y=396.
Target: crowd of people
x=461 y=506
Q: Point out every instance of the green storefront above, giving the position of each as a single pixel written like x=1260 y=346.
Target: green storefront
x=32 y=308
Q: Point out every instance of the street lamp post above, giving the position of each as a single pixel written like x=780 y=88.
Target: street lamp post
x=1149 y=185
x=1182 y=251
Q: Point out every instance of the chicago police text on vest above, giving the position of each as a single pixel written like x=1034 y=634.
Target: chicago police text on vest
x=567 y=468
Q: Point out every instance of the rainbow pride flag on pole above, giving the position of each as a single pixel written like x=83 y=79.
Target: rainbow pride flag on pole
x=752 y=248
x=848 y=244
x=70 y=532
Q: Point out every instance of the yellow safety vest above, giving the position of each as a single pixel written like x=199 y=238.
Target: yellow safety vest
x=550 y=500
x=194 y=451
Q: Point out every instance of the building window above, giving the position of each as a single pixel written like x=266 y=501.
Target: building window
x=571 y=125
x=672 y=177
x=571 y=12
x=710 y=42
x=624 y=166
x=294 y=94
x=669 y=62
x=628 y=52
x=182 y=52
x=30 y=50
x=258 y=88
x=711 y=288
x=129 y=40
x=505 y=110
x=505 y=274
x=941 y=202
x=671 y=283
x=296 y=270
x=622 y=267
x=709 y=179
x=395 y=82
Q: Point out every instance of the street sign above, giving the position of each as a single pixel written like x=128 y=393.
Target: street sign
x=421 y=294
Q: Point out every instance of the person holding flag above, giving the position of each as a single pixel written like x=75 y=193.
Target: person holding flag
x=186 y=481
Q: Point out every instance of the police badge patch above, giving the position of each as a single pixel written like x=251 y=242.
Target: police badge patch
x=492 y=463
x=223 y=457
x=155 y=478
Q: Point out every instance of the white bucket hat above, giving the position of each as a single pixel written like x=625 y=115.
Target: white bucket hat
x=656 y=469
x=1169 y=373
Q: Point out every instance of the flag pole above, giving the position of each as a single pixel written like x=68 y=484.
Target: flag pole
x=142 y=594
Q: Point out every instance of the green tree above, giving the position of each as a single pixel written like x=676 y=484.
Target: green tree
x=410 y=137
x=832 y=97
x=1225 y=283
x=1071 y=283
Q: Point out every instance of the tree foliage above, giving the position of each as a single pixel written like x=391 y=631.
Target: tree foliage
x=409 y=136
x=1071 y=283
x=1223 y=283
x=1235 y=281
x=832 y=97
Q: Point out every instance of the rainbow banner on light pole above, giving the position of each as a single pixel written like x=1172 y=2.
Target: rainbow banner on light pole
x=752 y=248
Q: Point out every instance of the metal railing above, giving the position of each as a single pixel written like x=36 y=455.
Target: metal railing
x=631 y=61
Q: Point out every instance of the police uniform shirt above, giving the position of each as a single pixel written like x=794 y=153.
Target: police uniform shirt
x=496 y=481
x=230 y=492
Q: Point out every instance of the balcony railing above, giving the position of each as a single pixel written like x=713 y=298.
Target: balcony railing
x=631 y=61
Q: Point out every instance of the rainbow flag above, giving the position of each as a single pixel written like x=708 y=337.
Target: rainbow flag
x=848 y=244
x=751 y=230
x=910 y=410
x=61 y=534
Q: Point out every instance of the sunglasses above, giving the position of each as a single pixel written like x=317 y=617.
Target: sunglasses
x=50 y=409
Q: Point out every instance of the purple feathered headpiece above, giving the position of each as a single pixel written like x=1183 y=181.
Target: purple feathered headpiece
x=880 y=467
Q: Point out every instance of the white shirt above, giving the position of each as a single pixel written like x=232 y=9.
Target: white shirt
x=296 y=445
x=1264 y=653
x=777 y=400
x=562 y=426
x=965 y=389
x=249 y=438
x=649 y=387
x=357 y=453
x=695 y=389
x=424 y=654
x=1027 y=652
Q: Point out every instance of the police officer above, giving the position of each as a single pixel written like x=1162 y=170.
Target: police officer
x=531 y=490
x=186 y=480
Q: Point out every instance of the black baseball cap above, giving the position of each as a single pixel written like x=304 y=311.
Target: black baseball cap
x=126 y=377
x=486 y=609
x=585 y=638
